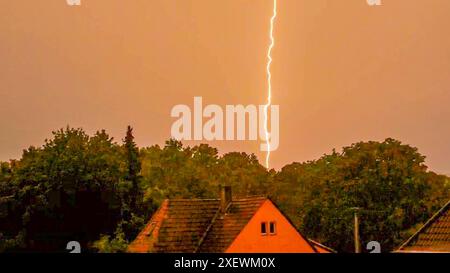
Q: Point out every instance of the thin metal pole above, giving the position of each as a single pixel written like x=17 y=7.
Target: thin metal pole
x=356 y=231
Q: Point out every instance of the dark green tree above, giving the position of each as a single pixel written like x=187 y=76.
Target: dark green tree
x=388 y=181
x=61 y=189
x=90 y=189
x=133 y=166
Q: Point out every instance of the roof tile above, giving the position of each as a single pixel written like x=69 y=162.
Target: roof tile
x=434 y=236
x=195 y=225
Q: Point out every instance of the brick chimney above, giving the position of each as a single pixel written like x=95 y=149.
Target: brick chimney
x=225 y=197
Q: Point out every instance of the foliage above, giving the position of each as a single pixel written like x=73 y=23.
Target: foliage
x=117 y=244
x=62 y=188
x=100 y=193
x=184 y=172
x=387 y=181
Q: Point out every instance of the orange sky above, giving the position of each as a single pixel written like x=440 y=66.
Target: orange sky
x=343 y=71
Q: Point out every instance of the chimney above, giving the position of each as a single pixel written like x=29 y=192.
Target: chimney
x=225 y=197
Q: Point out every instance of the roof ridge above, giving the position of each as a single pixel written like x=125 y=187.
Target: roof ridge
x=426 y=225
x=213 y=220
x=193 y=199
x=251 y=197
x=149 y=228
x=227 y=213
x=293 y=225
x=322 y=246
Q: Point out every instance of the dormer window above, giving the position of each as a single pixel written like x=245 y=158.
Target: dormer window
x=273 y=228
x=263 y=228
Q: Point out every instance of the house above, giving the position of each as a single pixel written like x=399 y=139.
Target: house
x=225 y=225
x=433 y=237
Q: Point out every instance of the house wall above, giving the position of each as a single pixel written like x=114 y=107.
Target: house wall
x=286 y=240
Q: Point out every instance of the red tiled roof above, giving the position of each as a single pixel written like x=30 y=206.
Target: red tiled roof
x=196 y=225
x=321 y=248
x=434 y=236
x=227 y=227
x=199 y=225
x=145 y=241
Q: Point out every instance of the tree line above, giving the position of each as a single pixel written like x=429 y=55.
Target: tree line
x=94 y=190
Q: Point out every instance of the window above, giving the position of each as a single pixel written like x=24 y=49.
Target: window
x=272 y=228
x=263 y=228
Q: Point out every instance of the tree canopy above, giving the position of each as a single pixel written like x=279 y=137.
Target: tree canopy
x=101 y=193
x=387 y=182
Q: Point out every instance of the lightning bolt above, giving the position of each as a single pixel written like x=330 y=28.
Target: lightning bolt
x=269 y=82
